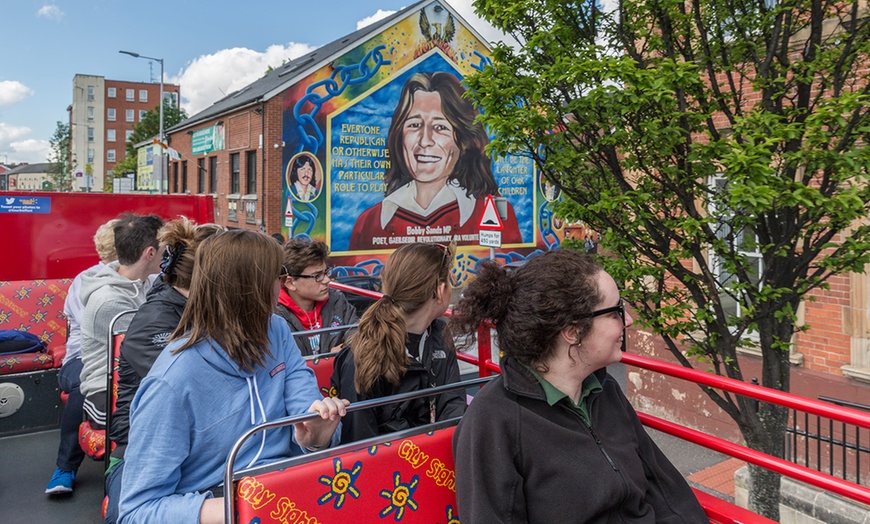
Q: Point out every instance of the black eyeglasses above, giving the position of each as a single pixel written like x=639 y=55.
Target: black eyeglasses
x=319 y=276
x=619 y=309
x=284 y=273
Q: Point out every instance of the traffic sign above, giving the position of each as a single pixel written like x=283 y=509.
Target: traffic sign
x=490 y=219
x=490 y=238
x=288 y=212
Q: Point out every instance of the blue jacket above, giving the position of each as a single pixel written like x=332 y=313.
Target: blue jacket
x=189 y=411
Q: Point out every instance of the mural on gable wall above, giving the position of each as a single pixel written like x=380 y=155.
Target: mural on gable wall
x=381 y=149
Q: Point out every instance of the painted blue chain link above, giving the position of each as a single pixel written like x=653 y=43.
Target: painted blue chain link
x=310 y=135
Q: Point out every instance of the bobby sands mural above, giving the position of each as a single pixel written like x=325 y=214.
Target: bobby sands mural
x=439 y=174
x=381 y=149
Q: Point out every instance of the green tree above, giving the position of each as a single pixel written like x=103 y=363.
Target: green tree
x=60 y=158
x=148 y=128
x=717 y=144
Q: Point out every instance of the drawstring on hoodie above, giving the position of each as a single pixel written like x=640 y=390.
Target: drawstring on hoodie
x=254 y=391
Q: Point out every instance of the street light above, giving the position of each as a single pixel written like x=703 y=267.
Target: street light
x=163 y=173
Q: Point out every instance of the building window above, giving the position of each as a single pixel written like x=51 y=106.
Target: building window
x=90 y=93
x=111 y=92
x=212 y=174
x=171 y=98
x=129 y=115
x=131 y=95
x=184 y=176
x=110 y=135
x=235 y=173
x=175 y=178
x=252 y=172
x=90 y=134
x=128 y=134
x=110 y=114
x=110 y=155
x=142 y=114
x=200 y=175
x=90 y=156
x=90 y=114
x=143 y=95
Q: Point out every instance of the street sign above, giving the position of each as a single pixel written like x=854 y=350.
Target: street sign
x=489 y=238
x=490 y=219
x=288 y=215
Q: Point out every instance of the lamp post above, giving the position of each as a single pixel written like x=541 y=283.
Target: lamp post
x=163 y=173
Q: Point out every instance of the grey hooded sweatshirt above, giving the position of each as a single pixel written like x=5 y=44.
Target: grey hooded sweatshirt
x=104 y=294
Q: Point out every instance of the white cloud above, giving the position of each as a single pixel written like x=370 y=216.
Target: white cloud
x=12 y=92
x=51 y=12
x=369 y=20
x=16 y=148
x=31 y=151
x=209 y=78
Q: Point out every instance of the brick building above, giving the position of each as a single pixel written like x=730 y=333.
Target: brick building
x=101 y=117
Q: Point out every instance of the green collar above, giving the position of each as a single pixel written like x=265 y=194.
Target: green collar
x=591 y=386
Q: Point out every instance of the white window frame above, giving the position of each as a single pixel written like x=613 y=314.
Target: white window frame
x=110 y=135
x=142 y=114
x=143 y=95
x=111 y=92
x=111 y=114
x=110 y=155
x=131 y=95
x=129 y=116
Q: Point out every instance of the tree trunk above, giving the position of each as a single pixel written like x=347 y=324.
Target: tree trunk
x=767 y=436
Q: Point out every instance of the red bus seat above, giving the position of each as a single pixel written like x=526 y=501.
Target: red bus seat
x=407 y=479
x=322 y=366
x=93 y=441
x=35 y=306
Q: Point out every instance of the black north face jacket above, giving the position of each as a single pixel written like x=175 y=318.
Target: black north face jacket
x=437 y=366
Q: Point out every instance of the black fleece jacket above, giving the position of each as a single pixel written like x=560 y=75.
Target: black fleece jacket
x=518 y=459
x=146 y=337
x=436 y=367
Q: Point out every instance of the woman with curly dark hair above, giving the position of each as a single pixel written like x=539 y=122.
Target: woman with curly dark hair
x=555 y=422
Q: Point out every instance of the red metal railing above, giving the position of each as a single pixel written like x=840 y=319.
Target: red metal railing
x=486 y=367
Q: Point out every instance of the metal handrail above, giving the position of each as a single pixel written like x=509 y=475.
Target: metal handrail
x=229 y=507
x=110 y=358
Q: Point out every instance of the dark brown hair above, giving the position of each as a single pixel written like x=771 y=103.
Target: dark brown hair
x=299 y=254
x=531 y=305
x=473 y=169
x=410 y=278
x=232 y=295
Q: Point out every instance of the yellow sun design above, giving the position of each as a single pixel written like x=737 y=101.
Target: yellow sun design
x=400 y=497
x=340 y=484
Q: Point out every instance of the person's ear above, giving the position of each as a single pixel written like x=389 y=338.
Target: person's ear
x=441 y=292
x=571 y=335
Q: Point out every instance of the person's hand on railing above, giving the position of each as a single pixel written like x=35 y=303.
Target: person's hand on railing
x=337 y=348
x=316 y=434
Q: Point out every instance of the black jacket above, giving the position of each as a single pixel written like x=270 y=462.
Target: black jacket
x=438 y=366
x=146 y=337
x=518 y=459
x=336 y=312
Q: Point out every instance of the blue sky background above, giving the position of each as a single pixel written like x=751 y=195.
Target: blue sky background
x=209 y=48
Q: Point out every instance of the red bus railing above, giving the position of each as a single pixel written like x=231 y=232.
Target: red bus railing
x=487 y=366
x=821 y=480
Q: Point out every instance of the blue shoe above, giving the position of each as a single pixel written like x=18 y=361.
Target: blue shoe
x=61 y=482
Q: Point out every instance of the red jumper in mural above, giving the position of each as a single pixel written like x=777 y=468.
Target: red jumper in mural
x=439 y=174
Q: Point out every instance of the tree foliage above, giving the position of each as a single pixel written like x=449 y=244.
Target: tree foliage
x=719 y=146
x=60 y=158
x=146 y=129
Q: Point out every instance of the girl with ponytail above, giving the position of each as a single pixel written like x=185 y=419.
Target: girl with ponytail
x=401 y=346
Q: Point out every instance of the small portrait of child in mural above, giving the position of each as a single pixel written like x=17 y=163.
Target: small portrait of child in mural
x=551 y=191
x=304 y=177
x=439 y=176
